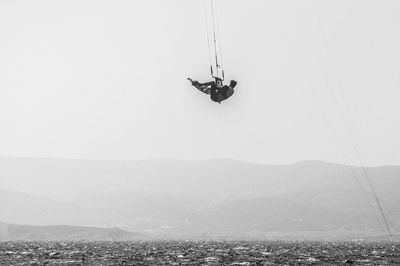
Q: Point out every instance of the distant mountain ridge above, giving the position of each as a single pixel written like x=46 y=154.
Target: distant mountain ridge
x=192 y=179
x=12 y=232
x=174 y=198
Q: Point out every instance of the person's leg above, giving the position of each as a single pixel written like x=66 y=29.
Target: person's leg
x=194 y=82
x=203 y=87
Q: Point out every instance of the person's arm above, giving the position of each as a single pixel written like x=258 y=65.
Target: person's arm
x=203 y=87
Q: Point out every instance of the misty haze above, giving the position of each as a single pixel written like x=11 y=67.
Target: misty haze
x=212 y=132
x=213 y=199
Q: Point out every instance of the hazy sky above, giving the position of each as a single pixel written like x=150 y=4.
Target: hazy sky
x=107 y=80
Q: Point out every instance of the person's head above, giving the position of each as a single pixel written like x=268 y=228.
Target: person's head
x=233 y=84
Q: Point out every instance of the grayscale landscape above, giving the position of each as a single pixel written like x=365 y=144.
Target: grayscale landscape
x=210 y=200
x=199 y=132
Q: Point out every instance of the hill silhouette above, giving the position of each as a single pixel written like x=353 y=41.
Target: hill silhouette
x=12 y=232
x=197 y=199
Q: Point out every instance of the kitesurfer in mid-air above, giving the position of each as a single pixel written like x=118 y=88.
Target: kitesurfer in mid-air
x=216 y=89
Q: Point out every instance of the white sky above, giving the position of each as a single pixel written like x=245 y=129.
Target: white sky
x=107 y=80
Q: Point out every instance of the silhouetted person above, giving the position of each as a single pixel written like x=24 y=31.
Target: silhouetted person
x=217 y=91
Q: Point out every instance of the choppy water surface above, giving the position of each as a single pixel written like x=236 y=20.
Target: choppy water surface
x=199 y=253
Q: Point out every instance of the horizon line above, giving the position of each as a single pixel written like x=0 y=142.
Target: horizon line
x=193 y=160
